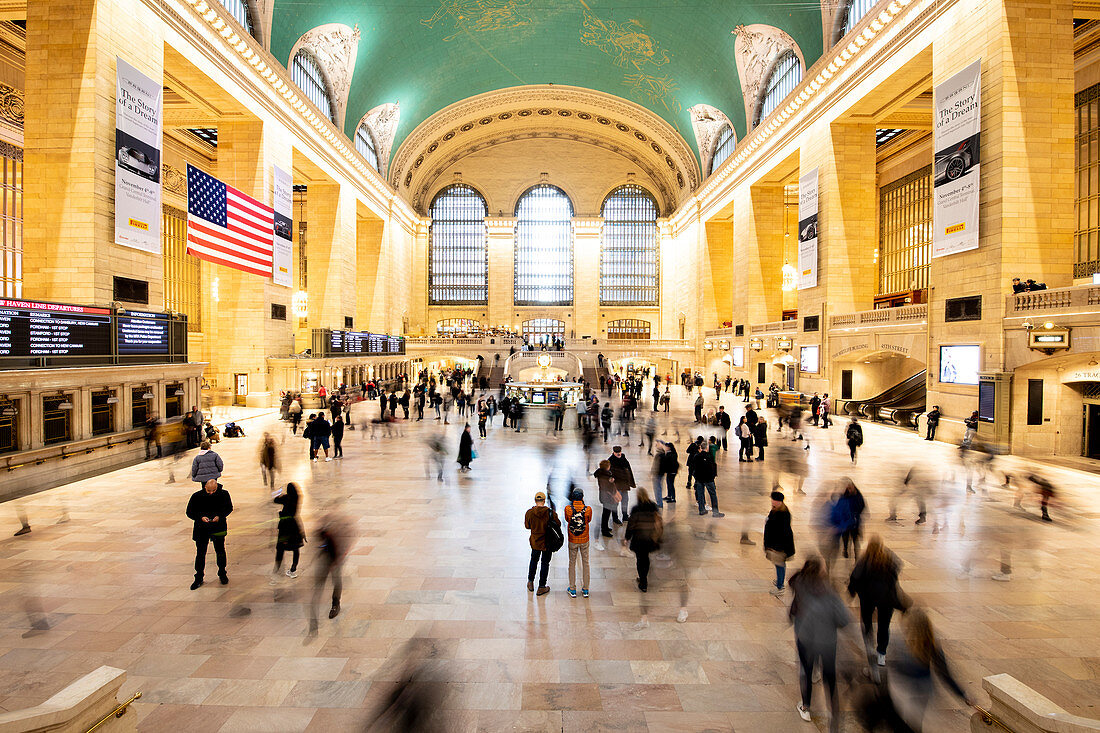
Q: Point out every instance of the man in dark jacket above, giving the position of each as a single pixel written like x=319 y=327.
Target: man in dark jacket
x=206 y=465
x=208 y=507
x=535 y=520
x=725 y=422
x=815 y=402
x=624 y=476
x=933 y=422
x=320 y=435
x=704 y=469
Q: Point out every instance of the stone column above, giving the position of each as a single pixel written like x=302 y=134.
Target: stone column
x=69 y=254
x=331 y=251
x=758 y=258
x=502 y=270
x=586 y=277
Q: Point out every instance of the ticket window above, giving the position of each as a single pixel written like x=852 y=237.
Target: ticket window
x=173 y=403
x=9 y=426
x=140 y=406
x=240 y=388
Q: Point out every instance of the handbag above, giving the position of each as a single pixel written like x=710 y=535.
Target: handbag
x=775 y=557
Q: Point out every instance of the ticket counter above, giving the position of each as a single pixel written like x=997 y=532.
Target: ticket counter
x=544 y=394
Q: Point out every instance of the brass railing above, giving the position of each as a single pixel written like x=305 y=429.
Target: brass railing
x=116 y=713
x=990 y=719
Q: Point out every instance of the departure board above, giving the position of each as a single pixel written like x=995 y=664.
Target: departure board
x=31 y=329
x=363 y=342
x=141 y=333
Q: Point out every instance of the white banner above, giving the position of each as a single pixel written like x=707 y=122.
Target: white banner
x=283 y=204
x=138 y=116
x=807 y=230
x=957 y=173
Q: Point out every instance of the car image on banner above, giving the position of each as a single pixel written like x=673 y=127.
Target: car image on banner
x=956 y=167
x=956 y=161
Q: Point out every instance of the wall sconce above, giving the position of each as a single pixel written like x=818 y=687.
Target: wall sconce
x=66 y=405
x=214 y=289
x=112 y=400
x=708 y=345
x=300 y=303
x=178 y=393
x=790 y=277
x=725 y=346
x=147 y=396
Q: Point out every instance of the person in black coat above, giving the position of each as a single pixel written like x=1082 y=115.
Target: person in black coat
x=875 y=580
x=643 y=532
x=624 y=477
x=724 y=421
x=337 y=429
x=933 y=421
x=668 y=466
x=760 y=435
x=320 y=435
x=854 y=435
x=465 y=448
x=778 y=540
x=290 y=535
x=207 y=508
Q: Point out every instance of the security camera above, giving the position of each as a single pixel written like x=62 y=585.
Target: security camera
x=1028 y=325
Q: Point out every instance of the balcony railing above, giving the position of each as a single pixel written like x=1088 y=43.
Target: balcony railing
x=1054 y=299
x=774 y=327
x=881 y=316
x=717 y=333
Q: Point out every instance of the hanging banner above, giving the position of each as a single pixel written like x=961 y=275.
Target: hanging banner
x=284 y=243
x=807 y=230
x=957 y=172
x=138 y=114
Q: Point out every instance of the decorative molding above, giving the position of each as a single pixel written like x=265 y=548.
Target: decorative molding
x=335 y=47
x=173 y=180
x=11 y=152
x=11 y=106
x=382 y=122
x=707 y=122
x=756 y=50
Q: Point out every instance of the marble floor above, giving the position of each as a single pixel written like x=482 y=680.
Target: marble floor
x=437 y=577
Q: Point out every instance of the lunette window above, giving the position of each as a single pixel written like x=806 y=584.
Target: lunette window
x=628 y=328
x=458 y=267
x=628 y=251
x=544 y=247
x=364 y=143
x=307 y=74
x=725 y=144
x=785 y=76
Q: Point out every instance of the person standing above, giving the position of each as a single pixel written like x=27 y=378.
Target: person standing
x=699 y=407
x=465 y=449
x=656 y=393
x=826 y=406
x=536 y=519
x=606 y=415
x=624 y=478
x=744 y=436
x=874 y=580
x=933 y=421
x=320 y=433
x=643 y=532
x=206 y=465
x=482 y=418
x=778 y=540
x=268 y=460
x=337 y=429
x=295 y=414
x=577 y=517
x=290 y=536
x=971 y=424
x=817 y=613
x=854 y=436
x=725 y=423
x=760 y=436
x=609 y=499
x=668 y=466
x=853 y=506
x=208 y=508
x=704 y=470
x=815 y=403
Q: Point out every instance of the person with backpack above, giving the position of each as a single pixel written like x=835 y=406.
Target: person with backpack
x=606 y=415
x=537 y=520
x=643 y=532
x=577 y=517
x=854 y=435
x=704 y=469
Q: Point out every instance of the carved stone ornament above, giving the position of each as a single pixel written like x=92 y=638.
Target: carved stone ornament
x=173 y=180
x=708 y=122
x=335 y=47
x=382 y=122
x=756 y=49
x=830 y=9
x=11 y=105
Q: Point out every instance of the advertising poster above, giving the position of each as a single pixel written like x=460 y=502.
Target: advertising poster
x=956 y=173
x=138 y=116
x=284 y=243
x=807 y=230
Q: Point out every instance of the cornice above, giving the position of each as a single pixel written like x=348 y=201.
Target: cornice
x=210 y=31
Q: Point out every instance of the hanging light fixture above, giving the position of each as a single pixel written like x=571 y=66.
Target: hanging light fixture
x=147 y=396
x=66 y=405
x=178 y=392
x=790 y=277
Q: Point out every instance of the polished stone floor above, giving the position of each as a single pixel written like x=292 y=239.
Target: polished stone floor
x=444 y=565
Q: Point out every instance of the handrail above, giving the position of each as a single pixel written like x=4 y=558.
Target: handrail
x=990 y=719
x=116 y=713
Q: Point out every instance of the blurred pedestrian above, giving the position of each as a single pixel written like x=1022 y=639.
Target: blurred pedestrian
x=290 y=536
x=778 y=540
x=817 y=613
x=609 y=500
x=334 y=538
x=854 y=435
x=874 y=580
x=624 y=479
x=643 y=532
x=268 y=460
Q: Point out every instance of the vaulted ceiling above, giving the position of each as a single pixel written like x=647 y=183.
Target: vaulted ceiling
x=666 y=55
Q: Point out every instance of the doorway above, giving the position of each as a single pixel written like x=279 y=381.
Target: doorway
x=240 y=388
x=1091 y=442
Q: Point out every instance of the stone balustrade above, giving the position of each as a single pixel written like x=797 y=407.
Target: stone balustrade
x=758 y=329
x=718 y=333
x=880 y=316
x=1053 y=300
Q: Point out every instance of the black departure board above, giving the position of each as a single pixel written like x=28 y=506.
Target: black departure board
x=363 y=342
x=31 y=329
x=141 y=333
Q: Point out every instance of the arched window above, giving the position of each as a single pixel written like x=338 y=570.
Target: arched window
x=627 y=328
x=240 y=12
x=786 y=74
x=544 y=247
x=628 y=252
x=457 y=326
x=725 y=144
x=543 y=330
x=855 y=12
x=307 y=74
x=458 y=268
x=364 y=143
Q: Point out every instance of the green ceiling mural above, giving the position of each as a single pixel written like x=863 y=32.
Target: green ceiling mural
x=666 y=55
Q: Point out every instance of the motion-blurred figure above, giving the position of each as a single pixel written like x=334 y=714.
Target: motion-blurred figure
x=335 y=538
x=414 y=706
x=917 y=485
x=817 y=613
x=268 y=460
x=874 y=580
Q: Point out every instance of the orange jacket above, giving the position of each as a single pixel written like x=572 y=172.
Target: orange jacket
x=577 y=506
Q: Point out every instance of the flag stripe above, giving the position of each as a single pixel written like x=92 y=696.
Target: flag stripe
x=228 y=227
x=207 y=231
x=247 y=200
x=227 y=252
x=204 y=255
x=263 y=229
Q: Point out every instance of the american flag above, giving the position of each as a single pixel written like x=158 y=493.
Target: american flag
x=227 y=227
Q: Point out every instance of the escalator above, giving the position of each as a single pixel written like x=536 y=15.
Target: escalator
x=899 y=404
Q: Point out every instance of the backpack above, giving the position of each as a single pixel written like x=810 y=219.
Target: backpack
x=577 y=525
x=658 y=531
x=553 y=538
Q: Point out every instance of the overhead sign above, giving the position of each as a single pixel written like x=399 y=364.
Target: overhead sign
x=957 y=173
x=807 y=230
x=283 y=253
x=30 y=329
x=363 y=342
x=138 y=116
x=141 y=333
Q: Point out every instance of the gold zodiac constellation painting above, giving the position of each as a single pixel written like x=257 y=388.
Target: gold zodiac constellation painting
x=658 y=89
x=481 y=16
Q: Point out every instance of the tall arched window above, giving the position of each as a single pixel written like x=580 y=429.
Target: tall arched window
x=627 y=328
x=458 y=270
x=364 y=143
x=307 y=74
x=240 y=12
x=544 y=247
x=543 y=330
x=628 y=252
x=725 y=144
x=457 y=326
x=785 y=76
x=855 y=12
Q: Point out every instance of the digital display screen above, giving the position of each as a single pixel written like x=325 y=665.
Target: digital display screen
x=987 y=401
x=738 y=356
x=553 y=396
x=142 y=333
x=363 y=342
x=30 y=329
x=809 y=359
x=960 y=364
x=538 y=398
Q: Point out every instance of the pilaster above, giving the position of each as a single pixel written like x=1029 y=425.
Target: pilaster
x=501 y=232
x=586 y=276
